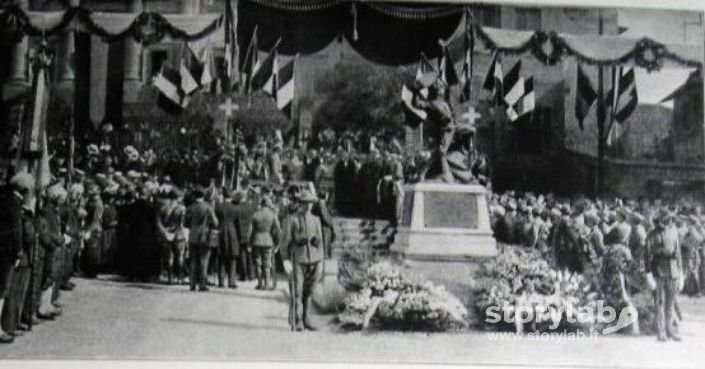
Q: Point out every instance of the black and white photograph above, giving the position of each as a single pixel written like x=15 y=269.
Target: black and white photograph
x=484 y=184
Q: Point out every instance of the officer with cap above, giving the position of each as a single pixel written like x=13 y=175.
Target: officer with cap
x=303 y=259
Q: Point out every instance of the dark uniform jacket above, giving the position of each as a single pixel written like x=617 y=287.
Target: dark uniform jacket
x=11 y=240
x=200 y=219
x=228 y=229
x=50 y=235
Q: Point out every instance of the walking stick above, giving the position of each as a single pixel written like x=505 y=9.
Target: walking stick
x=292 y=296
x=292 y=307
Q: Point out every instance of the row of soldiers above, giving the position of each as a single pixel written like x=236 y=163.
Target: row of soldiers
x=623 y=248
x=38 y=247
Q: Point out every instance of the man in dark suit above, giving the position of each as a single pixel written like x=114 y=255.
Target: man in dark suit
x=303 y=258
x=228 y=238
x=245 y=210
x=200 y=219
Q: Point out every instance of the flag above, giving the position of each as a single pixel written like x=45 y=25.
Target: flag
x=209 y=71
x=494 y=78
x=513 y=85
x=43 y=178
x=168 y=82
x=466 y=91
x=286 y=82
x=625 y=101
x=525 y=104
x=190 y=71
x=35 y=123
x=585 y=96
x=250 y=63
x=231 y=45
x=447 y=70
x=426 y=74
x=270 y=87
x=263 y=73
x=414 y=115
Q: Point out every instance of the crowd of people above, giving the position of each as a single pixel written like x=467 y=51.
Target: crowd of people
x=625 y=247
x=219 y=218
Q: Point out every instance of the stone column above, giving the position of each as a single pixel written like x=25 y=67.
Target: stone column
x=133 y=60
x=69 y=49
x=190 y=6
x=17 y=81
x=67 y=57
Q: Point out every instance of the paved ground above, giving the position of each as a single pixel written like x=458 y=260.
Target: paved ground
x=106 y=319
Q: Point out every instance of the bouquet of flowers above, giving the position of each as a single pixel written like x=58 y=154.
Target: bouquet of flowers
x=392 y=299
x=520 y=280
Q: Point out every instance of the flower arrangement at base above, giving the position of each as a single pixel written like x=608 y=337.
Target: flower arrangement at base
x=392 y=299
x=519 y=290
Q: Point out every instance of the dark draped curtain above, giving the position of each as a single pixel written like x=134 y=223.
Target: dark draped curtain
x=390 y=34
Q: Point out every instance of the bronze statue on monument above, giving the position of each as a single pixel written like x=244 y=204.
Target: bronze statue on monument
x=450 y=159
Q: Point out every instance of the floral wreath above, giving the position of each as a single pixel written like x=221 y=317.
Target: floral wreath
x=148 y=28
x=649 y=55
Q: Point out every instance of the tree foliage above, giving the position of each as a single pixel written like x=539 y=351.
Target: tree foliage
x=361 y=96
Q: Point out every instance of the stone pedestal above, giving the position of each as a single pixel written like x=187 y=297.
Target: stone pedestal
x=444 y=222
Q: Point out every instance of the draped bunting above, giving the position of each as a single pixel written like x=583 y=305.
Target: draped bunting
x=146 y=27
x=384 y=33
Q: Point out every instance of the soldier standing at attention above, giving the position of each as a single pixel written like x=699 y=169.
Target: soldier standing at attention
x=664 y=260
x=199 y=219
x=303 y=259
x=11 y=238
x=263 y=237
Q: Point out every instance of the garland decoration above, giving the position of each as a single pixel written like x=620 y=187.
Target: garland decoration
x=147 y=28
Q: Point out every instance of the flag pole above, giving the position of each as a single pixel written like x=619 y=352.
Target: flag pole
x=601 y=116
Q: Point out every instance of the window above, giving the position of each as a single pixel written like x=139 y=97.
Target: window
x=157 y=59
x=487 y=15
x=528 y=19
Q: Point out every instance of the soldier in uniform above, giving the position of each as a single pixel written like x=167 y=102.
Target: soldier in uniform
x=11 y=240
x=93 y=229
x=169 y=233
x=303 y=259
x=200 y=219
x=263 y=237
x=52 y=240
x=664 y=260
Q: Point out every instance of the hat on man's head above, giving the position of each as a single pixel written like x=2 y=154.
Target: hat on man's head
x=22 y=181
x=56 y=192
x=664 y=215
x=307 y=196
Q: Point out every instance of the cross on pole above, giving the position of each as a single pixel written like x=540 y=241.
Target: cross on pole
x=471 y=115
x=228 y=107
